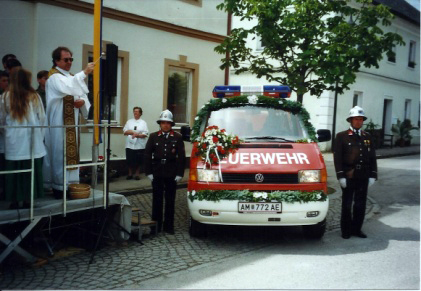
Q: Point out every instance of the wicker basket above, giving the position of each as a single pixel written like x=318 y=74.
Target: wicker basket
x=79 y=191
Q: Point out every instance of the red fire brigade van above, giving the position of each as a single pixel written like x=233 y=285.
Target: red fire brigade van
x=255 y=161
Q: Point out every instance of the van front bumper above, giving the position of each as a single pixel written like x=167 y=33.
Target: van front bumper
x=225 y=212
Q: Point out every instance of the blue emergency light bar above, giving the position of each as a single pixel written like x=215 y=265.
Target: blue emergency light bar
x=226 y=91
x=277 y=91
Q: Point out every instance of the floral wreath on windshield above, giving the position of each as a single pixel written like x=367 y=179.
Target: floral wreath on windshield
x=215 y=144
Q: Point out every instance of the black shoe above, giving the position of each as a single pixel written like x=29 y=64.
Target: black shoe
x=137 y=178
x=129 y=177
x=58 y=194
x=14 y=205
x=169 y=231
x=346 y=236
x=360 y=234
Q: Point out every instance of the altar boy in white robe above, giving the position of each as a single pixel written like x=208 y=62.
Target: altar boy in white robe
x=66 y=97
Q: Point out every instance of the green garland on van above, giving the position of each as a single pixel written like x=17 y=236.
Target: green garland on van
x=262 y=101
x=256 y=196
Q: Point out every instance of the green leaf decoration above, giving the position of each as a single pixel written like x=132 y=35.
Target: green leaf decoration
x=256 y=196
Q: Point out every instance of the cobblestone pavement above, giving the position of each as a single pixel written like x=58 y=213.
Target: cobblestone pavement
x=130 y=263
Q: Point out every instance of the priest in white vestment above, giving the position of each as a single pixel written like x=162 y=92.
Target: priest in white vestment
x=60 y=85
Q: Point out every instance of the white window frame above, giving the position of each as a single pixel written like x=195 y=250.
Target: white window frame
x=408 y=103
x=412 y=52
x=259 y=44
x=359 y=96
x=393 y=61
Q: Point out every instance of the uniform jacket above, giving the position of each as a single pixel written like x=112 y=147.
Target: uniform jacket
x=165 y=157
x=354 y=155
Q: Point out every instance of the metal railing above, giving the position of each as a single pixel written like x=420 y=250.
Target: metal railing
x=65 y=167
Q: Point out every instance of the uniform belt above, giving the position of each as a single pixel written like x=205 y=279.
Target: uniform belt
x=164 y=161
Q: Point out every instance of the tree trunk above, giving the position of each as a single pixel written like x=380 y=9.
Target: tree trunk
x=300 y=98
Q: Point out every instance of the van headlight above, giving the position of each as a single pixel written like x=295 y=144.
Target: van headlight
x=208 y=175
x=309 y=176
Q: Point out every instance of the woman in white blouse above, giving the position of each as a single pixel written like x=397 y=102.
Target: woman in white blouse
x=22 y=106
x=137 y=134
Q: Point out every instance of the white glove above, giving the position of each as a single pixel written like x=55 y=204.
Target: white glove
x=150 y=177
x=371 y=181
x=342 y=182
x=177 y=179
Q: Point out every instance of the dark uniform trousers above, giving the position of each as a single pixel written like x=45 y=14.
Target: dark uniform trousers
x=165 y=159
x=356 y=190
x=355 y=160
x=160 y=186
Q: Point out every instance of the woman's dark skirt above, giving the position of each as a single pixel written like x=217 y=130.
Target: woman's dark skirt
x=18 y=186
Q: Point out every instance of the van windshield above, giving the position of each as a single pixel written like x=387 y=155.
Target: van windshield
x=259 y=123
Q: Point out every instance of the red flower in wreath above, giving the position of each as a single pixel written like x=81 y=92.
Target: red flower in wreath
x=215 y=145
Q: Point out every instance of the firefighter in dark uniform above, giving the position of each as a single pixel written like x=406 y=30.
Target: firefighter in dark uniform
x=356 y=170
x=164 y=166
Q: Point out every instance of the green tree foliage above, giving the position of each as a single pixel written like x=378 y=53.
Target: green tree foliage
x=309 y=44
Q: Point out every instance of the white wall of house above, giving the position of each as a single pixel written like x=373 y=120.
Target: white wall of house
x=202 y=16
x=392 y=81
x=33 y=30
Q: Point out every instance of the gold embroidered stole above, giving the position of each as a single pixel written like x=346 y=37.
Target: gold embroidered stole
x=72 y=149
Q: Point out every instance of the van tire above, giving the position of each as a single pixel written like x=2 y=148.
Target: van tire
x=315 y=231
x=197 y=229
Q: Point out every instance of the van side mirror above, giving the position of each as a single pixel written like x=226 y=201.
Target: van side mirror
x=185 y=132
x=324 y=135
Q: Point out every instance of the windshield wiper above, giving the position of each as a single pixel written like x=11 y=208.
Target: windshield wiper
x=268 y=137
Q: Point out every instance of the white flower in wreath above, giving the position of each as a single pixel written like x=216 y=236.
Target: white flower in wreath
x=252 y=99
x=196 y=118
x=193 y=193
x=319 y=196
x=309 y=140
x=280 y=101
x=224 y=100
x=263 y=195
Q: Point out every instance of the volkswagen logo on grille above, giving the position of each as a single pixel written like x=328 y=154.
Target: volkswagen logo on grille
x=259 y=178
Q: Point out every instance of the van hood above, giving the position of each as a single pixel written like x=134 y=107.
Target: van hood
x=272 y=157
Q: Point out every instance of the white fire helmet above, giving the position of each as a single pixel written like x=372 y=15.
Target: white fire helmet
x=166 y=115
x=355 y=112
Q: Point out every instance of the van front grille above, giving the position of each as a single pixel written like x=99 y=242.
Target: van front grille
x=267 y=178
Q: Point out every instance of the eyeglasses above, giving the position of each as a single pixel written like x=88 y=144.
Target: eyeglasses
x=66 y=60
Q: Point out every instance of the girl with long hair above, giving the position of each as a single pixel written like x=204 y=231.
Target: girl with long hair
x=22 y=106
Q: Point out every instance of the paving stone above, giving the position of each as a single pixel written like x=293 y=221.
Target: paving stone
x=162 y=254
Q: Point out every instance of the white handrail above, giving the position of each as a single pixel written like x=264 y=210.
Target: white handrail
x=65 y=167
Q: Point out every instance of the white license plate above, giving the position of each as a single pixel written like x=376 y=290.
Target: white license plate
x=260 y=207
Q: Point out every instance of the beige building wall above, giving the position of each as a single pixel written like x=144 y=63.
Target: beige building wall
x=149 y=42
